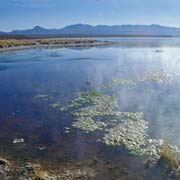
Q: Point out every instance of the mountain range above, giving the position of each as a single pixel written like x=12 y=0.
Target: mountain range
x=86 y=29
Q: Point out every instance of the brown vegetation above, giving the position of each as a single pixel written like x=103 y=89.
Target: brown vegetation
x=170 y=161
x=14 y=43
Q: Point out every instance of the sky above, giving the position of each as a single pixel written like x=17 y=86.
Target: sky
x=24 y=14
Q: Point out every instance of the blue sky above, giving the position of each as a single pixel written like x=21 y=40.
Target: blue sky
x=22 y=14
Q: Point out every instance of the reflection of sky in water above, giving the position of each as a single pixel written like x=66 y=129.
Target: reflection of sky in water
x=156 y=40
x=61 y=72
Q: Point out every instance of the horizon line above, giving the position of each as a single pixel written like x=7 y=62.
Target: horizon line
x=95 y=25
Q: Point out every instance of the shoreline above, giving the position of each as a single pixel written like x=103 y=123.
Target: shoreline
x=89 y=170
x=91 y=45
x=84 y=45
x=15 y=45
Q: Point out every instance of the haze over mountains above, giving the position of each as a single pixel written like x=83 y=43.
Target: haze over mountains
x=101 y=30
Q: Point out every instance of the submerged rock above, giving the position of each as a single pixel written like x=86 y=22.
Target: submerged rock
x=4 y=162
x=5 y=171
x=66 y=130
x=158 y=50
x=42 y=148
x=16 y=112
x=41 y=96
x=15 y=141
x=75 y=174
x=55 y=105
x=31 y=171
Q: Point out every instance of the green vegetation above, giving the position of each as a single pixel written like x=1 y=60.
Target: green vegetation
x=157 y=77
x=96 y=111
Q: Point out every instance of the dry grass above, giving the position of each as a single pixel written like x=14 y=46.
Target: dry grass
x=7 y=43
x=170 y=161
x=14 y=43
x=39 y=175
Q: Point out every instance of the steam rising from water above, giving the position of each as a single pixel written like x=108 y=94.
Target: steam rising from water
x=161 y=104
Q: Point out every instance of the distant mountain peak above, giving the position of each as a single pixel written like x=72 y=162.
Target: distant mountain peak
x=86 y=29
x=38 y=27
x=78 y=25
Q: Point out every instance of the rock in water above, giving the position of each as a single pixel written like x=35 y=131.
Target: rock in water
x=21 y=140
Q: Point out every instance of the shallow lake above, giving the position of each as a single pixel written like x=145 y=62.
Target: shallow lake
x=32 y=80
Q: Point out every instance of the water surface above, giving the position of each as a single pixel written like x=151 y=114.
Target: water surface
x=59 y=73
